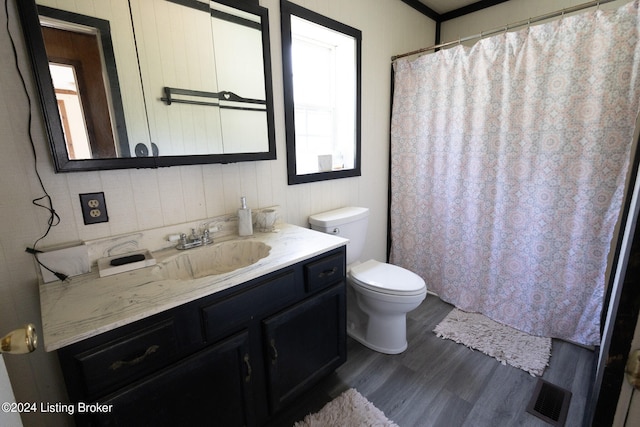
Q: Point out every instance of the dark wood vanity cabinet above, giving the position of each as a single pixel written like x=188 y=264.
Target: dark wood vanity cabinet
x=234 y=358
x=303 y=344
x=208 y=384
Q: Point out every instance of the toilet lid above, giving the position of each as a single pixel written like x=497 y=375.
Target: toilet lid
x=387 y=278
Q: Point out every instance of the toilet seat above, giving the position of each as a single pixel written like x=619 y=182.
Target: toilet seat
x=387 y=279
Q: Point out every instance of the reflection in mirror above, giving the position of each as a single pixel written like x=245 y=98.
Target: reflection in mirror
x=322 y=95
x=221 y=106
x=85 y=81
x=76 y=134
x=243 y=104
x=144 y=50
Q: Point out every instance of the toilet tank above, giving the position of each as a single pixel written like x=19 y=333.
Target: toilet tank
x=349 y=222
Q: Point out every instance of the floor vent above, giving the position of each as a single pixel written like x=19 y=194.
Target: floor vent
x=550 y=403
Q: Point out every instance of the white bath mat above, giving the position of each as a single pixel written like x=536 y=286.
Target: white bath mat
x=349 y=409
x=507 y=345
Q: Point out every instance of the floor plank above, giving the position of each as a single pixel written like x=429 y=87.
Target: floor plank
x=438 y=383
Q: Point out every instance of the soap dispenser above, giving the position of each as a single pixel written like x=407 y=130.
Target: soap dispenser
x=245 y=223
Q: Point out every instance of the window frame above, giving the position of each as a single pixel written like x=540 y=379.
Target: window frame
x=287 y=9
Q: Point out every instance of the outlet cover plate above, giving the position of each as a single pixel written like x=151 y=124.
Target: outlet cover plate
x=94 y=208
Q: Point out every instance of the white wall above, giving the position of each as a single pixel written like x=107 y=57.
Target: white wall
x=143 y=199
x=506 y=13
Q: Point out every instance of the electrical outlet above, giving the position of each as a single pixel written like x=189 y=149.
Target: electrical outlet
x=94 y=208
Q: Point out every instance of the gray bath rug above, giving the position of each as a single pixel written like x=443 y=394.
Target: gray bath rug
x=507 y=345
x=348 y=409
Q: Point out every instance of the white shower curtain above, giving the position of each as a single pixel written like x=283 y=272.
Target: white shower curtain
x=508 y=165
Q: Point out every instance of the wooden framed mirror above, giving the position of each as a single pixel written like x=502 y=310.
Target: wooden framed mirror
x=174 y=89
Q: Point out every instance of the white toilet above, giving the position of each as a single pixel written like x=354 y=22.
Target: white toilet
x=379 y=295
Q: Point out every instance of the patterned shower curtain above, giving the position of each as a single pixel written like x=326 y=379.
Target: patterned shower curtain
x=508 y=167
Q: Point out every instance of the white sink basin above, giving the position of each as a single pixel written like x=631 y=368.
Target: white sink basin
x=215 y=259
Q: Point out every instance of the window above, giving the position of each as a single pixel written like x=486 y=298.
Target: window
x=322 y=96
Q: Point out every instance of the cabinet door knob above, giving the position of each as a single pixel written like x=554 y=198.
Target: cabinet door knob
x=247 y=378
x=274 y=352
x=120 y=363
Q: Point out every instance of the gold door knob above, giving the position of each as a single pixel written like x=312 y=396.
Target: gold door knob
x=20 y=341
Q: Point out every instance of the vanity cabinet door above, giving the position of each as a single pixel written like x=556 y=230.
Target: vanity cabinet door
x=304 y=343
x=212 y=388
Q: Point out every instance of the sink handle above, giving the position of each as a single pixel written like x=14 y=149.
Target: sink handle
x=206 y=237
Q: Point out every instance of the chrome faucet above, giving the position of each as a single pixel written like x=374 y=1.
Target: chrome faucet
x=194 y=240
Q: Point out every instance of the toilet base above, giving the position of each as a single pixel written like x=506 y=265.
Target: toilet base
x=359 y=336
x=385 y=334
x=380 y=325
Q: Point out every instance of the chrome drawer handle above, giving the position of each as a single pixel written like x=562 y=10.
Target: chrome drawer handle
x=331 y=272
x=120 y=363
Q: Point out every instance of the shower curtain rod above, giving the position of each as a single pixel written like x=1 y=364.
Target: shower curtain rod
x=506 y=28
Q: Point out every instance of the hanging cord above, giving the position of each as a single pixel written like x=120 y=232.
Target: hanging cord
x=144 y=97
x=45 y=201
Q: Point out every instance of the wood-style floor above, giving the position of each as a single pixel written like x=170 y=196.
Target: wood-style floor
x=439 y=383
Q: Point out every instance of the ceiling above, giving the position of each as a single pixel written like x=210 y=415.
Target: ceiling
x=443 y=6
x=443 y=10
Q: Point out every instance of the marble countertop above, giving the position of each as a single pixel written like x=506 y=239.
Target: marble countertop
x=89 y=305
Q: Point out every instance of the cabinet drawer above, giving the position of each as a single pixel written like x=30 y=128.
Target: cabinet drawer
x=324 y=272
x=209 y=388
x=226 y=316
x=123 y=360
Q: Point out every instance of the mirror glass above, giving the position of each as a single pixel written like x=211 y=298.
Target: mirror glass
x=322 y=95
x=85 y=81
x=149 y=83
